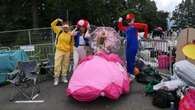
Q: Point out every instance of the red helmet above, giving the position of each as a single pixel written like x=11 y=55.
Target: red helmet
x=83 y=23
x=130 y=16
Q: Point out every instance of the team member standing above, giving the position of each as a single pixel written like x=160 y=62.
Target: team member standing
x=81 y=41
x=131 y=32
x=64 y=47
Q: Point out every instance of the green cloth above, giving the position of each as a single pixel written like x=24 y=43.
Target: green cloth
x=149 y=87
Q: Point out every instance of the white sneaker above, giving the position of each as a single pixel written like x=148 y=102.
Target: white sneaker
x=56 y=81
x=132 y=76
x=64 y=79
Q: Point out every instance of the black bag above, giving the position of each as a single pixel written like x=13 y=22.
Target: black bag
x=140 y=64
x=163 y=99
x=149 y=74
x=153 y=53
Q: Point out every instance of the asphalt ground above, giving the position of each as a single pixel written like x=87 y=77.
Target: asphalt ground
x=55 y=98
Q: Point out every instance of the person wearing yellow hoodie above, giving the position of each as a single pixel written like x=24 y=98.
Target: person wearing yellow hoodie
x=64 y=46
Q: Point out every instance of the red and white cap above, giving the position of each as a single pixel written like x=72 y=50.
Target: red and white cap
x=130 y=16
x=83 y=23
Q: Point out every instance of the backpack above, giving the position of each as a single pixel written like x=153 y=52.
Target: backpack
x=163 y=98
x=57 y=37
x=149 y=74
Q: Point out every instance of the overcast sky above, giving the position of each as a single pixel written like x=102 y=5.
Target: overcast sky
x=167 y=5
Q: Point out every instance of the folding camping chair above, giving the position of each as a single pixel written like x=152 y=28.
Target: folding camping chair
x=24 y=80
x=50 y=64
x=47 y=68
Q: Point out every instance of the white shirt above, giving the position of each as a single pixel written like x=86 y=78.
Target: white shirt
x=81 y=40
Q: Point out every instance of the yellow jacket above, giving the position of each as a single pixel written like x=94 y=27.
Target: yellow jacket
x=65 y=41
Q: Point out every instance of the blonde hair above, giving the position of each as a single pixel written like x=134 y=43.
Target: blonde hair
x=101 y=39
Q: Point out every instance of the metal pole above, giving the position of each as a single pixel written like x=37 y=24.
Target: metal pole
x=67 y=16
x=29 y=37
x=24 y=30
x=29 y=41
x=53 y=42
x=170 y=59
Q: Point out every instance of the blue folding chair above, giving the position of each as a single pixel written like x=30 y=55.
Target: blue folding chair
x=23 y=79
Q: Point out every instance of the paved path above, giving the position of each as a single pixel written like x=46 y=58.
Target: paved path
x=56 y=99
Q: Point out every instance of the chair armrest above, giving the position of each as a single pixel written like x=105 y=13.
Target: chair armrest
x=12 y=75
x=36 y=70
x=14 y=72
x=49 y=66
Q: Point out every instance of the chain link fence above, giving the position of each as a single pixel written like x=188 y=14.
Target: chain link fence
x=38 y=43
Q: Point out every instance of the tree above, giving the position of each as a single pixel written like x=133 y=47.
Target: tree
x=22 y=14
x=184 y=14
x=146 y=11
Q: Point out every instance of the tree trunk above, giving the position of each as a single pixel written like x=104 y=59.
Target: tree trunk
x=34 y=14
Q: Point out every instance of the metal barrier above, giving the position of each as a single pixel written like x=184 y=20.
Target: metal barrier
x=157 y=53
x=5 y=48
x=26 y=37
x=39 y=51
x=155 y=44
x=41 y=41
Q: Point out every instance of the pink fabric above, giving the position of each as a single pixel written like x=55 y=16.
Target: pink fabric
x=163 y=61
x=103 y=55
x=126 y=86
x=115 y=58
x=188 y=102
x=111 y=57
x=86 y=93
x=89 y=57
x=99 y=75
x=113 y=91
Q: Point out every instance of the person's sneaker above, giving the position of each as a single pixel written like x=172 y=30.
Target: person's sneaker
x=56 y=81
x=132 y=77
x=64 y=79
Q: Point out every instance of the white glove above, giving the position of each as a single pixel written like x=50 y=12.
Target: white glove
x=60 y=20
x=120 y=19
x=73 y=33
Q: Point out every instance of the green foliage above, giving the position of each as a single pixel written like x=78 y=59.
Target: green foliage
x=22 y=14
x=146 y=11
x=184 y=14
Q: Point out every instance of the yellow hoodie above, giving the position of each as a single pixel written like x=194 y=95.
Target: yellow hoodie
x=65 y=41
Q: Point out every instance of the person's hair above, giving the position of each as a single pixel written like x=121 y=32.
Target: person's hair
x=80 y=29
x=100 y=40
